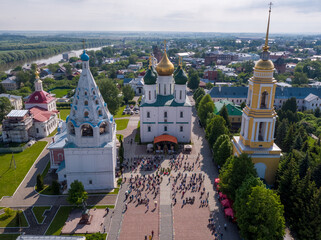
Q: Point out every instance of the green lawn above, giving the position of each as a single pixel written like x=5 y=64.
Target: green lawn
x=119 y=113
x=121 y=124
x=39 y=211
x=59 y=220
x=8 y=236
x=10 y=177
x=53 y=133
x=64 y=112
x=60 y=92
x=11 y=144
x=13 y=221
x=137 y=136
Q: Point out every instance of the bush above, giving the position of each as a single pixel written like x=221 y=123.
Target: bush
x=131 y=102
x=8 y=212
x=119 y=181
x=55 y=186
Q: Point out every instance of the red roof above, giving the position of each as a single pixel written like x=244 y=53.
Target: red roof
x=41 y=115
x=165 y=138
x=40 y=97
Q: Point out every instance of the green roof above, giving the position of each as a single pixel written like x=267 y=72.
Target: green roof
x=232 y=109
x=150 y=77
x=180 y=77
x=168 y=100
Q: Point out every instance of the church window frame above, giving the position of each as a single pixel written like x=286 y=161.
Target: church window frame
x=165 y=128
x=87 y=130
x=86 y=114
x=103 y=128
x=181 y=114
x=180 y=94
x=86 y=103
x=94 y=93
x=85 y=93
x=90 y=181
x=165 y=114
x=261 y=130
x=181 y=128
x=100 y=112
x=149 y=95
x=264 y=100
x=148 y=114
x=149 y=129
x=97 y=102
x=164 y=89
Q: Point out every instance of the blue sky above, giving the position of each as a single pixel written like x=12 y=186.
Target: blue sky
x=288 y=16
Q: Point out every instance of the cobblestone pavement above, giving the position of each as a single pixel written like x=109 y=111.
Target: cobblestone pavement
x=175 y=222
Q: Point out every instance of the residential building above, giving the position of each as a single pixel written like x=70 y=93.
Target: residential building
x=16 y=127
x=211 y=74
x=137 y=85
x=234 y=112
x=60 y=72
x=10 y=83
x=16 y=101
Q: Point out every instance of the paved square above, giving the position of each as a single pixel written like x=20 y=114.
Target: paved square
x=72 y=224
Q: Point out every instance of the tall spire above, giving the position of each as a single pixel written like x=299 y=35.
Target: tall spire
x=266 y=47
x=164 y=46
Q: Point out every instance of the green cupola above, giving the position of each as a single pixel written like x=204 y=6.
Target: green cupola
x=150 y=77
x=180 y=77
x=177 y=69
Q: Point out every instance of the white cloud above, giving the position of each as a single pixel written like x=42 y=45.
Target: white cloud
x=162 y=15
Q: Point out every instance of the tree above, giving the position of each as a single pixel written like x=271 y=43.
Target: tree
x=262 y=216
x=243 y=104
x=300 y=78
x=290 y=104
x=132 y=59
x=317 y=112
x=198 y=100
x=5 y=107
x=55 y=186
x=297 y=142
x=224 y=114
x=209 y=85
x=128 y=93
x=234 y=172
x=193 y=80
x=215 y=128
x=110 y=94
x=281 y=132
x=289 y=140
x=199 y=91
x=224 y=151
x=218 y=143
x=205 y=106
x=76 y=193
x=39 y=182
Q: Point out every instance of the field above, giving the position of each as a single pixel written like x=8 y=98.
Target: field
x=39 y=211
x=60 y=92
x=10 y=177
x=12 y=221
x=59 y=220
x=121 y=124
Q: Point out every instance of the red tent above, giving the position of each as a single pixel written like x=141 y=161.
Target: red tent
x=222 y=196
x=229 y=212
x=217 y=180
x=217 y=187
x=227 y=203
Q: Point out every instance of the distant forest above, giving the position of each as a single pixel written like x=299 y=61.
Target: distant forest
x=23 y=48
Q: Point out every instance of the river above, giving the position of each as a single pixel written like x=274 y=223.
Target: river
x=52 y=59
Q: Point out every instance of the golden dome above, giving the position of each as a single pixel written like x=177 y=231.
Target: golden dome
x=165 y=67
x=264 y=65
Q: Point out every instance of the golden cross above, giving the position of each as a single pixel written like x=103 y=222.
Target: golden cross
x=165 y=45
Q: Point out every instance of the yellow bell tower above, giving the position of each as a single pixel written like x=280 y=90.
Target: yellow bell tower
x=259 y=118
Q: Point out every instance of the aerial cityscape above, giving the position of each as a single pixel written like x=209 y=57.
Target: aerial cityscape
x=167 y=125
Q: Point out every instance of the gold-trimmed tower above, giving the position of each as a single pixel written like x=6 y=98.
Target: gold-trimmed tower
x=259 y=118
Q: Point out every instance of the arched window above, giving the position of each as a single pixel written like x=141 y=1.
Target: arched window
x=60 y=157
x=71 y=128
x=86 y=130
x=86 y=103
x=94 y=92
x=264 y=99
x=100 y=113
x=261 y=131
x=86 y=114
x=85 y=93
x=149 y=95
x=76 y=102
x=96 y=102
x=103 y=128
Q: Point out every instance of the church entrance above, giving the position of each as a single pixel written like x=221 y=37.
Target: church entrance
x=165 y=144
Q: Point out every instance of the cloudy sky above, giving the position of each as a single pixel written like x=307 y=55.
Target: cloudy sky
x=288 y=16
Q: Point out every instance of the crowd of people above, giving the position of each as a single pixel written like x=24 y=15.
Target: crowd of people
x=142 y=163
